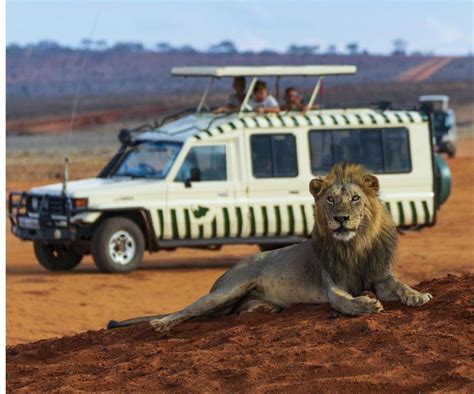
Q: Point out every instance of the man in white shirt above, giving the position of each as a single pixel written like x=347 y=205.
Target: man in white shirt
x=263 y=102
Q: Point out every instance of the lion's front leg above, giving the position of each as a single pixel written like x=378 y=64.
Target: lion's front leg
x=392 y=289
x=345 y=303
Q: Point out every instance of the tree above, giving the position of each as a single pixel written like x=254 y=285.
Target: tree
x=47 y=44
x=86 y=43
x=399 y=46
x=101 y=45
x=302 y=49
x=187 y=49
x=352 y=48
x=133 y=47
x=224 y=47
x=164 y=47
x=332 y=49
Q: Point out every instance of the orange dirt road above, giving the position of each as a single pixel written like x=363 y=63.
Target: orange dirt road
x=42 y=304
x=423 y=71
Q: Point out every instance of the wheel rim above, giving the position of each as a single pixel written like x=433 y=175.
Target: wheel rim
x=122 y=247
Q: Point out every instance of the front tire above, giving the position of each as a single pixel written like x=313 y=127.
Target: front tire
x=117 y=245
x=56 y=257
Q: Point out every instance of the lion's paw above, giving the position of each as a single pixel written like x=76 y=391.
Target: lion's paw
x=364 y=305
x=415 y=298
x=161 y=325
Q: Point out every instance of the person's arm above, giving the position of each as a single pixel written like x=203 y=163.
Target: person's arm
x=267 y=110
x=226 y=108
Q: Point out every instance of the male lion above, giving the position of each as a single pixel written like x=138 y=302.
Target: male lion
x=350 y=251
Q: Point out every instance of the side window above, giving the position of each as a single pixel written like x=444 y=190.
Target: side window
x=380 y=150
x=396 y=150
x=204 y=163
x=274 y=155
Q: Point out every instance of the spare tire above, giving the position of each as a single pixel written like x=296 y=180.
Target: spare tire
x=443 y=180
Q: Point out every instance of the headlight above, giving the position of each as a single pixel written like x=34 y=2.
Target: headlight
x=80 y=203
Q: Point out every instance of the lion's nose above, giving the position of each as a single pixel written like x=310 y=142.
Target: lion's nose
x=341 y=219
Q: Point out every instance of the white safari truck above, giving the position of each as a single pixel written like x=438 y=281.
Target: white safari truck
x=203 y=179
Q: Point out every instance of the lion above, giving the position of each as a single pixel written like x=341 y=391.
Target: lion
x=350 y=251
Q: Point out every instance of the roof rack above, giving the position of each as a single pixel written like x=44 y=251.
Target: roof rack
x=260 y=71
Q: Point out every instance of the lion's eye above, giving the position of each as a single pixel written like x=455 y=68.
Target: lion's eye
x=355 y=198
x=330 y=200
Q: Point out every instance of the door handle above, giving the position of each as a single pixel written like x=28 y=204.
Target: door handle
x=223 y=194
x=294 y=192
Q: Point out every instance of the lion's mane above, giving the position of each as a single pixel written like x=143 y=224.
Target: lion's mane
x=355 y=264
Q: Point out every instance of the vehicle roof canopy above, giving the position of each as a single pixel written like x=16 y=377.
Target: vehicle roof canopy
x=254 y=71
x=434 y=97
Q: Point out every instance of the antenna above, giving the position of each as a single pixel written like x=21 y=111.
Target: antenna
x=74 y=107
x=65 y=175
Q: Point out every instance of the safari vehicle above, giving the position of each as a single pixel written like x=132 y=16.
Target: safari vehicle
x=203 y=180
x=444 y=122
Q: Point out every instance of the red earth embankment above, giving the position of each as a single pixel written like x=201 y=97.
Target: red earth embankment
x=305 y=348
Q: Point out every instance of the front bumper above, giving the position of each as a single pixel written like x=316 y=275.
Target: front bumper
x=45 y=225
x=46 y=234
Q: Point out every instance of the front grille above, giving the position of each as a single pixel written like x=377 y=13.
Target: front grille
x=47 y=205
x=57 y=206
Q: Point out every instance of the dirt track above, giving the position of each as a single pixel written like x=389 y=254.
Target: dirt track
x=42 y=304
x=425 y=70
x=304 y=349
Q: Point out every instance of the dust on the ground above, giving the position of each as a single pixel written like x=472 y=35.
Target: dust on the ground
x=306 y=348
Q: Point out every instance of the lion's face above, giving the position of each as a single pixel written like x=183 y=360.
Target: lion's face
x=342 y=205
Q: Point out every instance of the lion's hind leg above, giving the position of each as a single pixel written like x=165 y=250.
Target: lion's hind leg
x=218 y=299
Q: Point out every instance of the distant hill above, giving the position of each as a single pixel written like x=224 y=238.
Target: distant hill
x=44 y=81
x=33 y=72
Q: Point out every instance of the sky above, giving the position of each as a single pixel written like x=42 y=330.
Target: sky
x=443 y=27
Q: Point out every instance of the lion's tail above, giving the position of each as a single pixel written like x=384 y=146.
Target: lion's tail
x=130 y=322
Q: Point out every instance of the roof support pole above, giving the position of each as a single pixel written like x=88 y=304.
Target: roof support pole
x=277 y=88
x=204 y=96
x=248 y=94
x=315 y=92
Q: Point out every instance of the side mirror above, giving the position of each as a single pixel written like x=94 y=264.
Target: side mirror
x=187 y=183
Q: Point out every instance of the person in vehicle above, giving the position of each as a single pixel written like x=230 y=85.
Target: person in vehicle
x=293 y=100
x=262 y=101
x=235 y=99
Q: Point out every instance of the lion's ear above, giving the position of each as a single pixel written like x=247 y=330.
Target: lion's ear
x=372 y=183
x=316 y=186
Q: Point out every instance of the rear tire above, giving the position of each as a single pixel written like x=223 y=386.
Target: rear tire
x=56 y=257
x=117 y=245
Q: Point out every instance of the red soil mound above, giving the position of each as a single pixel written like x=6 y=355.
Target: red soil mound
x=305 y=348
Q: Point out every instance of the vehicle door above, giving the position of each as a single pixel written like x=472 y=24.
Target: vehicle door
x=201 y=196
x=277 y=190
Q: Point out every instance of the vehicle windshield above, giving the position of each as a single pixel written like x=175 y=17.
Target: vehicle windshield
x=149 y=160
x=442 y=122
